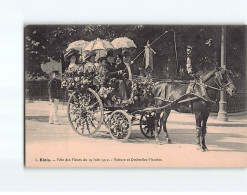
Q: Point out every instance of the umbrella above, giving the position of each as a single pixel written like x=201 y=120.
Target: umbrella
x=123 y=42
x=99 y=44
x=78 y=45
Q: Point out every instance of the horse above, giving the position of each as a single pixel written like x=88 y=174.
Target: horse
x=198 y=95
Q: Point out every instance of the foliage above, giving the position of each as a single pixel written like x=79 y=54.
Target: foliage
x=43 y=43
x=36 y=76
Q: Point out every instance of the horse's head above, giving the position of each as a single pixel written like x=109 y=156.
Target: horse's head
x=223 y=78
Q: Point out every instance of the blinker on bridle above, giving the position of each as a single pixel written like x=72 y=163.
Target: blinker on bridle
x=217 y=79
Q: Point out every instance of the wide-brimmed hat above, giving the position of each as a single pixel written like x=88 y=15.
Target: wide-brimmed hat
x=70 y=53
x=88 y=55
x=109 y=53
x=55 y=72
x=100 y=59
x=126 y=54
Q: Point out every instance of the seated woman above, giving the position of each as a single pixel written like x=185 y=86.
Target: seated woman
x=102 y=69
x=73 y=63
x=89 y=66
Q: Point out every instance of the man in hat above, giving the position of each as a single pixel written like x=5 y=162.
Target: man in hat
x=120 y=72
x=110 y=58
x=54 y=91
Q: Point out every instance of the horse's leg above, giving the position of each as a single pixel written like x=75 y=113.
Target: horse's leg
x=157 y=118
x=204 y=130
x=198 y=116
x=166 y=114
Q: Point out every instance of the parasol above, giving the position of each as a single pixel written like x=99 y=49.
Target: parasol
x=78 y=45
x=123 y=42
x=99 y=44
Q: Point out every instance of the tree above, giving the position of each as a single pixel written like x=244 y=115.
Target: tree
x=46 y=42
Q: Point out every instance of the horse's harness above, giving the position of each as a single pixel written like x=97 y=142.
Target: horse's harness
x=217 y=80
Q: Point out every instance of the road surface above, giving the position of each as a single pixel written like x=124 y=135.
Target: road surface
x=49 y=145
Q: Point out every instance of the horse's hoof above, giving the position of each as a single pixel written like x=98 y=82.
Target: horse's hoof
x=199 y=147
x=205 y=148
x=157 y=141
x=169 y=141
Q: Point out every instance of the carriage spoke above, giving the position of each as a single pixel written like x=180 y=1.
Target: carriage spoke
x=88 y=128
x=85 y=112
x=82 y=129
x=147 y=130
x=91 y=122
x=120 y=125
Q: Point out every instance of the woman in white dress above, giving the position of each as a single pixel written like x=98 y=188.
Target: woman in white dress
x=73 y=63
x=90 y=67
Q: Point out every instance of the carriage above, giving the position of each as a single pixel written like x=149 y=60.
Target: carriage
x=92 y=105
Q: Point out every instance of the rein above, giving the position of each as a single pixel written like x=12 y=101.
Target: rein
x=218 y=83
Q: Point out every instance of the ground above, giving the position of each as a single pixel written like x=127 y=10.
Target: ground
x=49 y=145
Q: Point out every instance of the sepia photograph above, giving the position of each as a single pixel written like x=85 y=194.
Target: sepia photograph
x=135 y=96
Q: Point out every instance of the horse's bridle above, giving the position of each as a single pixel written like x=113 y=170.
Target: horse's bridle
x=217 y=81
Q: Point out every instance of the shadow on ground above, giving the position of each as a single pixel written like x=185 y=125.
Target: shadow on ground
x=182 y=136
x=178 y=136
x=208 y=124
x=38 y=118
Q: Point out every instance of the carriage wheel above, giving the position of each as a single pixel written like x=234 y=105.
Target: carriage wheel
x=147 y=124
x=120 y=125
x=85 y=112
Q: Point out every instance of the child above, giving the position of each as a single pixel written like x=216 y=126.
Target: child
x=54 y=87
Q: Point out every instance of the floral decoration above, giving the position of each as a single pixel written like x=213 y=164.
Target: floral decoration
x=140 y=89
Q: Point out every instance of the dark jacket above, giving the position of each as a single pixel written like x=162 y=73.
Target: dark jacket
x=114 y=71
x=54 y=88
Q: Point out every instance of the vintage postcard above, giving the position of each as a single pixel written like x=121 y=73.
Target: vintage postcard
x=135 y=96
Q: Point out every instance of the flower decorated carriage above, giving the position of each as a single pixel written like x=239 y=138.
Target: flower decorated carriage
x=92 y=104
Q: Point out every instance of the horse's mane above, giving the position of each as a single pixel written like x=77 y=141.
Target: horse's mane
x=208 y=75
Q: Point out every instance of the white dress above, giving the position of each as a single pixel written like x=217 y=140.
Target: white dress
x=73 y=67
x=89 y=67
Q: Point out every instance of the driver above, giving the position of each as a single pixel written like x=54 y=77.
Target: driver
x=120 y=72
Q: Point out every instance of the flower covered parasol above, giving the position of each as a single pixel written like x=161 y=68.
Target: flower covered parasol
x=123 y=42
